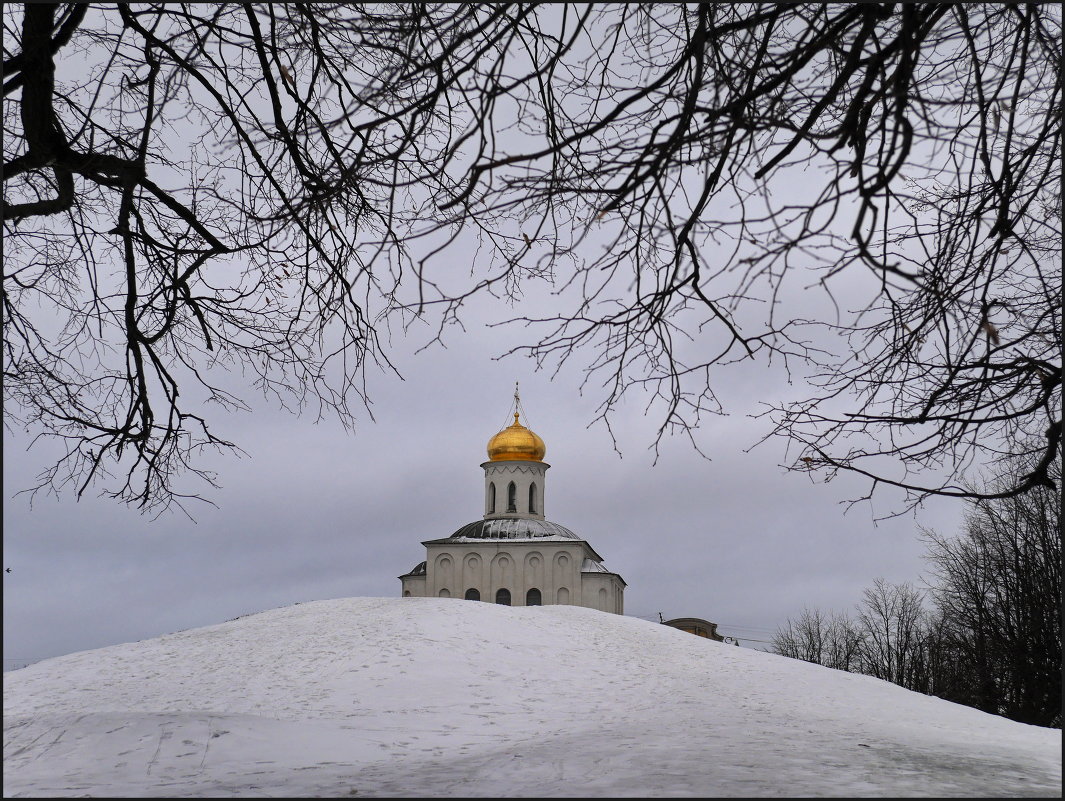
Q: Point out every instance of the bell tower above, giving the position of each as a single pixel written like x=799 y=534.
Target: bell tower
x=515 y=472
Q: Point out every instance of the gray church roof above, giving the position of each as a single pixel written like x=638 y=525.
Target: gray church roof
x=513 y=529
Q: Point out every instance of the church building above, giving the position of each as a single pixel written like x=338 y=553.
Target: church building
x=514 y=555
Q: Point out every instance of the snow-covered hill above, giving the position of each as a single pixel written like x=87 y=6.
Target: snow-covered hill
x=449 y=698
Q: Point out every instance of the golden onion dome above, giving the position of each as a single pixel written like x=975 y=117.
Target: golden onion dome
x=516 y=442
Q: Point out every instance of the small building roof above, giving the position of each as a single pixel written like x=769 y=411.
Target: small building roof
x=419 y=569
x=695 y=625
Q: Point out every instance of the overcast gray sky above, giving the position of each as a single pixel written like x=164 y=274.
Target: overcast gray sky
x=313 y=512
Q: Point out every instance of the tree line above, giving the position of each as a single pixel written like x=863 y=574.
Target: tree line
x=984 y=630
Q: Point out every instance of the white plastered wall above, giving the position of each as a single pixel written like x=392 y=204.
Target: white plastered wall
x=547 y=565
x=603 y=591
x=414 y=586
x=550 y=566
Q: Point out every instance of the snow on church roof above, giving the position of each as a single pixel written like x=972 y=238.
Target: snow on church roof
x=512 y=529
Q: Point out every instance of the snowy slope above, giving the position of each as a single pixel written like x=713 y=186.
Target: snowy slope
x=441 y=697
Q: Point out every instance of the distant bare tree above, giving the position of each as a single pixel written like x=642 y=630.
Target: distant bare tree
x=993 y=640
x=998 y=586
x=944 y=669
x=804 y=638
x=890 y=619
x=845 y=644
x=832 y=640
x=191 y=186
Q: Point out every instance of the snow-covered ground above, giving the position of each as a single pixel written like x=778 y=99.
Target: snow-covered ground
x=450 y=698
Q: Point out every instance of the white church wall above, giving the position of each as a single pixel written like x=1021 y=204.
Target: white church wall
x=473 y=574
x=533 y=575
x=550 y=567
x=564 y=574
x=443 y=575
x=414 y=586
x=503 y=578
x=602 y=591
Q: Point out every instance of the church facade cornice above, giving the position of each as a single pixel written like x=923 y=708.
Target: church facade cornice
x=504 y=468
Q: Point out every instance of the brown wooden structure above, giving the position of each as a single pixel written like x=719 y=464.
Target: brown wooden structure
x=696 y=626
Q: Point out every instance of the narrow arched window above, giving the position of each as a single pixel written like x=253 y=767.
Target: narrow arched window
x=512 y=498
x=472 y=595
x=532 y=498
x=533 y=598
x=503 y=596
x=491 y=498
